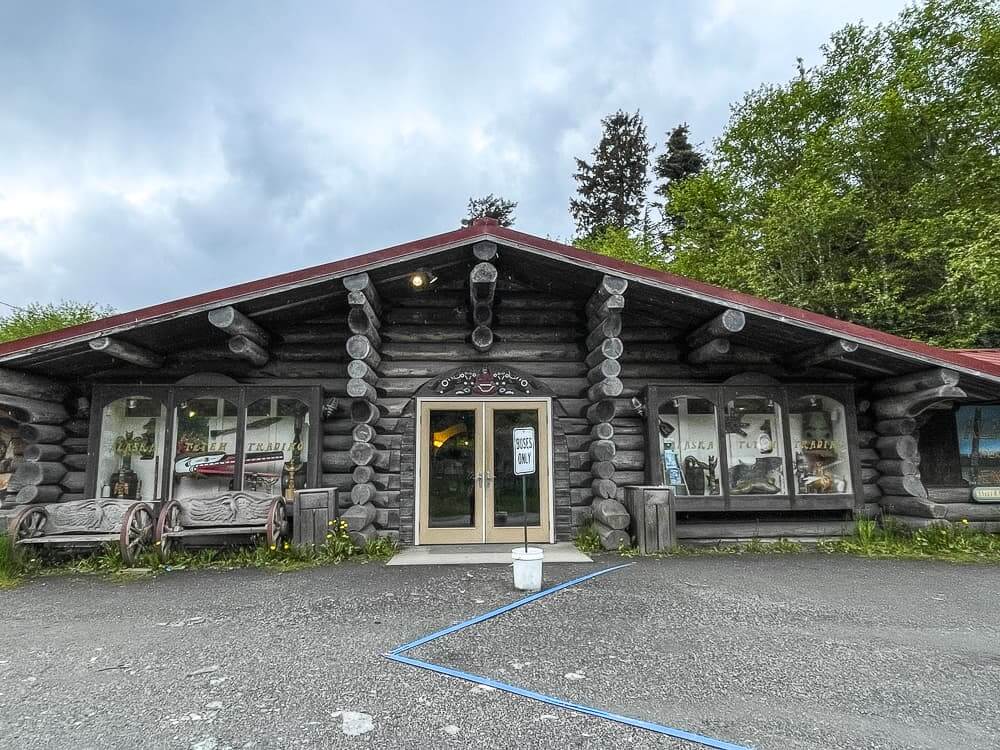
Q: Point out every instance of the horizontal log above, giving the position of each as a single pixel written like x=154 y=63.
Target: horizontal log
x=358 y=301
x=608 y=349
x=363 y=433
x=359 y=324
x=32 y=386
x=336 y=461
x=248 y=349
x=358 y=369
x=898 y=447
x=764 y=530
x=126 y=352
x=580 y=516
x=723 y=325
x=905 y=505
x=608 y=328
x=602 y=431
x=73 y=481
x=363 y=493
x=611 y=513
x=898 y=467
x=235 y=323
x=43 y=452
x=916 y=403
x=818 y=355
x=603 y=488
x=869 y=475
x=904 y=426
x=33 y=409
x=972 y=512
x=482 y=338
x=364 y=412
x=76 y=445
x=76 y=462
x=361 y=282
x=364 y=536
x=623 y=441
x=29 y=474
x=46 y=493
x=76 y=427
x=484 y=250
x=710 y=351
x=611 y=539
x=917 y=381
x=906 y=485
x=41 y=433
x=602 y=411
x=368 y=474
x=609 y=286
x=867 y=438
x=607 y=388
x=482 y=315
x=601 y=469
x=359 y=347
x=606 y=368
x=344 y=442
x=871 y=492
x=943 y=494
x=602 y=450
x=868 y=456
x=358 y=516
x=365 y=454
x=912 y=521
x=357 y=388
x=596 y=309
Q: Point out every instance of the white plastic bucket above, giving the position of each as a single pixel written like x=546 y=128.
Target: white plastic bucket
x=527 y=568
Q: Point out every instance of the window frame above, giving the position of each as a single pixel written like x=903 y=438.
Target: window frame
x=171 y=395
x=782 y=394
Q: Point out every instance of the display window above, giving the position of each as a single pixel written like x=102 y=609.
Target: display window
x=979 y=443
x=817 y=426
x=276 y=445
x=754 y=446
x=130 y=453
x=752 y=441
x=205 y=454
x=688 y=436
x=177 y=442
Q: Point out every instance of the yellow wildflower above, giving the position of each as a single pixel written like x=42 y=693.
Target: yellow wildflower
x=965 y=521
x=329 y=536
x=286 y=545
x=158 y=542
x=273 y=547
x=329 y=523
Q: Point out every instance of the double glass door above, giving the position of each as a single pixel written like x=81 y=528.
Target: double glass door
x=468 y=491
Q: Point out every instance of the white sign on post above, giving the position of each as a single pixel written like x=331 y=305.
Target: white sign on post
x=524 y=451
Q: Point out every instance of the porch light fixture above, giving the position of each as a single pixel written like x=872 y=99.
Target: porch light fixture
x=422 y=278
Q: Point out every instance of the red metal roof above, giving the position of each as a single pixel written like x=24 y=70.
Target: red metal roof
x=991 y=356
x=960 y=359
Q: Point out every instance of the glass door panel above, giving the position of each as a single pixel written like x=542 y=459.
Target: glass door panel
x=451 y=473
x=504 y=499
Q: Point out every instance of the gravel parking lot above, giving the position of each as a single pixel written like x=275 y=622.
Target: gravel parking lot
x=802 y=651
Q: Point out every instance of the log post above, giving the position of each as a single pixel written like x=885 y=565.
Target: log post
x=722 y=326
x=248 y=349
x=235 y=323
x=821 y=354
x=126 y=352
x=711 y=351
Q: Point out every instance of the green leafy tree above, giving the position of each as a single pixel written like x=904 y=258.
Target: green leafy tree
x=493 y=207
x=679 y=161
x=40 y=318
x=867 y=187
x=612 y=189
x=620 y=243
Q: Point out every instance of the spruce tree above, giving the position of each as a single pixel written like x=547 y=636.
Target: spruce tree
x=493 y=207
x=678 y=162
x=612 y=189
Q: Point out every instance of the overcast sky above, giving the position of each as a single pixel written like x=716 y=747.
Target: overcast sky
x=154 y=150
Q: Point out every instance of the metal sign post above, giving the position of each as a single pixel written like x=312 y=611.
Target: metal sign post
x=524 y=465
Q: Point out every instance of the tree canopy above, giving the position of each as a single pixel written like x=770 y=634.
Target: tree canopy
x=493 y=207
x=868 y=186
x=40 y=318
x=612 y=189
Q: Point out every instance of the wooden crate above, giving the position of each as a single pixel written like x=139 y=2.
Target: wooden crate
x=314 y=509
x=653 y=524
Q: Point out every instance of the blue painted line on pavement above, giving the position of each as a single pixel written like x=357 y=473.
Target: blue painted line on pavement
x=397 y=655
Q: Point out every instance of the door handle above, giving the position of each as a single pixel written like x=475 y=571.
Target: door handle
x=489 y=479
x=479 y=478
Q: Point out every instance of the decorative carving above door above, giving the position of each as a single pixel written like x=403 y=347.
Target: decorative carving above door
x=484 y=380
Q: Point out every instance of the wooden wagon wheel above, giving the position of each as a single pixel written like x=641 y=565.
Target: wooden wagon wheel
x=136 y=533
x=277 y=523
x=169 y=520
x=28 y=523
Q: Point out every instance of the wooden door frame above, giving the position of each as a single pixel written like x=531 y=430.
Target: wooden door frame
x=458 y=401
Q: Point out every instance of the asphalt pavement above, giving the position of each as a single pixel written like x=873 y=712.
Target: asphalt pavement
x=800 y=651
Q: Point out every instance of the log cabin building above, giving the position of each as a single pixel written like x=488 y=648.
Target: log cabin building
x=397 y=376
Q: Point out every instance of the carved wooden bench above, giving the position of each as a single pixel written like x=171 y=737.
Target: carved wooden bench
x=84 y=524
x=229 y=517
